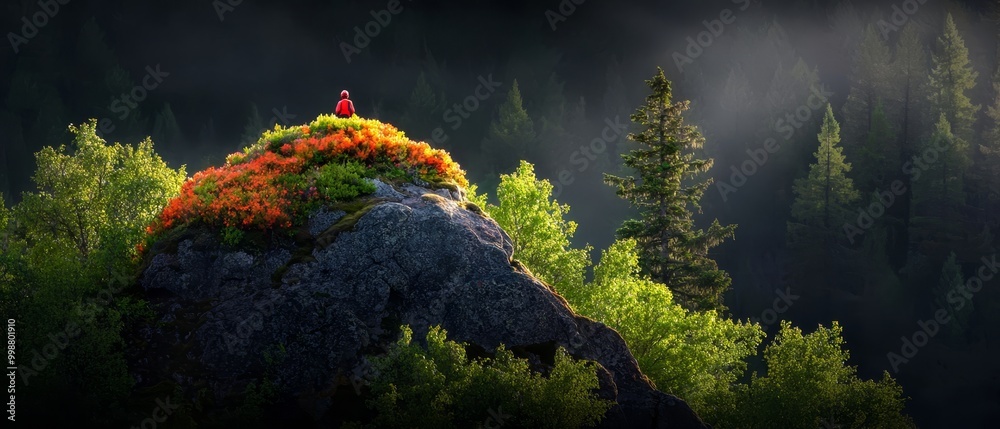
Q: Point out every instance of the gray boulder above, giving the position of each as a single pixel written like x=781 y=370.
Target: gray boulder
x=304 y=311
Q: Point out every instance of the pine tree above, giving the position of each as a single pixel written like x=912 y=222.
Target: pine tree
x=987 y=157
x=909 y=67
x=421 y=110
x=820 y=213
x=940 y=213
x=795 y=85
x=847 y=22
x=166 y=130
x=876 y=153
x=941 y=182
x=672 y=251
x=738 y=102
x=869 y=85
x=554 y=137
x=990 y=155
x=823 y=197
x=950 y=78
x=949 y=283
x=254 y=126
x=511 y=135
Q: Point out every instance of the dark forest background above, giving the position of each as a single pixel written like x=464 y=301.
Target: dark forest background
x=232 y=71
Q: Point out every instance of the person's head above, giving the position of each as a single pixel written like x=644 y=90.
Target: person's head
x=345 y=94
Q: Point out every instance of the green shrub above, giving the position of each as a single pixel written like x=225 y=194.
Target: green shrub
x=809 y=384
x=232 y=236
x=694 y=355
x=331 y=123
x=279 y=136
x=66 y=268
x=342 y=182
x=540 y=234
x=439 y=387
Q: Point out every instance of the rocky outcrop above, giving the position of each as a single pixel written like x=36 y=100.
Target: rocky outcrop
x=305 y=310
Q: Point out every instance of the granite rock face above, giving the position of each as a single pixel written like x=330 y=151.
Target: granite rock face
x=307 y=310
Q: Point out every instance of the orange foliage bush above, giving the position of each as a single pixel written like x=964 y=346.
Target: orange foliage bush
x=270 y=183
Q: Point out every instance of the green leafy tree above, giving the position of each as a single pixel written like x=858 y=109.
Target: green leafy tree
x=950 y=78
x=534 y=221
x=440 y=387
x=98 y=196
x=73 y=237
x=672 y=251
x=808 y=384
x=702 y=357
x=511 y=135
x=695 y=355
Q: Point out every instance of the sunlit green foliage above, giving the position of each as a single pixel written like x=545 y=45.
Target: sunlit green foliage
x=96 y=195
x=440 y=387
x=343 y=182
x=808 y=384
x=68 y=254
x=535 y=223
x=703 y=357
x=694 y=355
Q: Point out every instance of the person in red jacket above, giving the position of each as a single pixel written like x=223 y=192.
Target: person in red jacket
x=345 y=108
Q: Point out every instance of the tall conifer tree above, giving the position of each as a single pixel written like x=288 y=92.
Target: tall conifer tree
x=665 y=189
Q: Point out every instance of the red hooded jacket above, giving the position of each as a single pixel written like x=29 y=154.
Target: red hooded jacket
x=345 y=108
